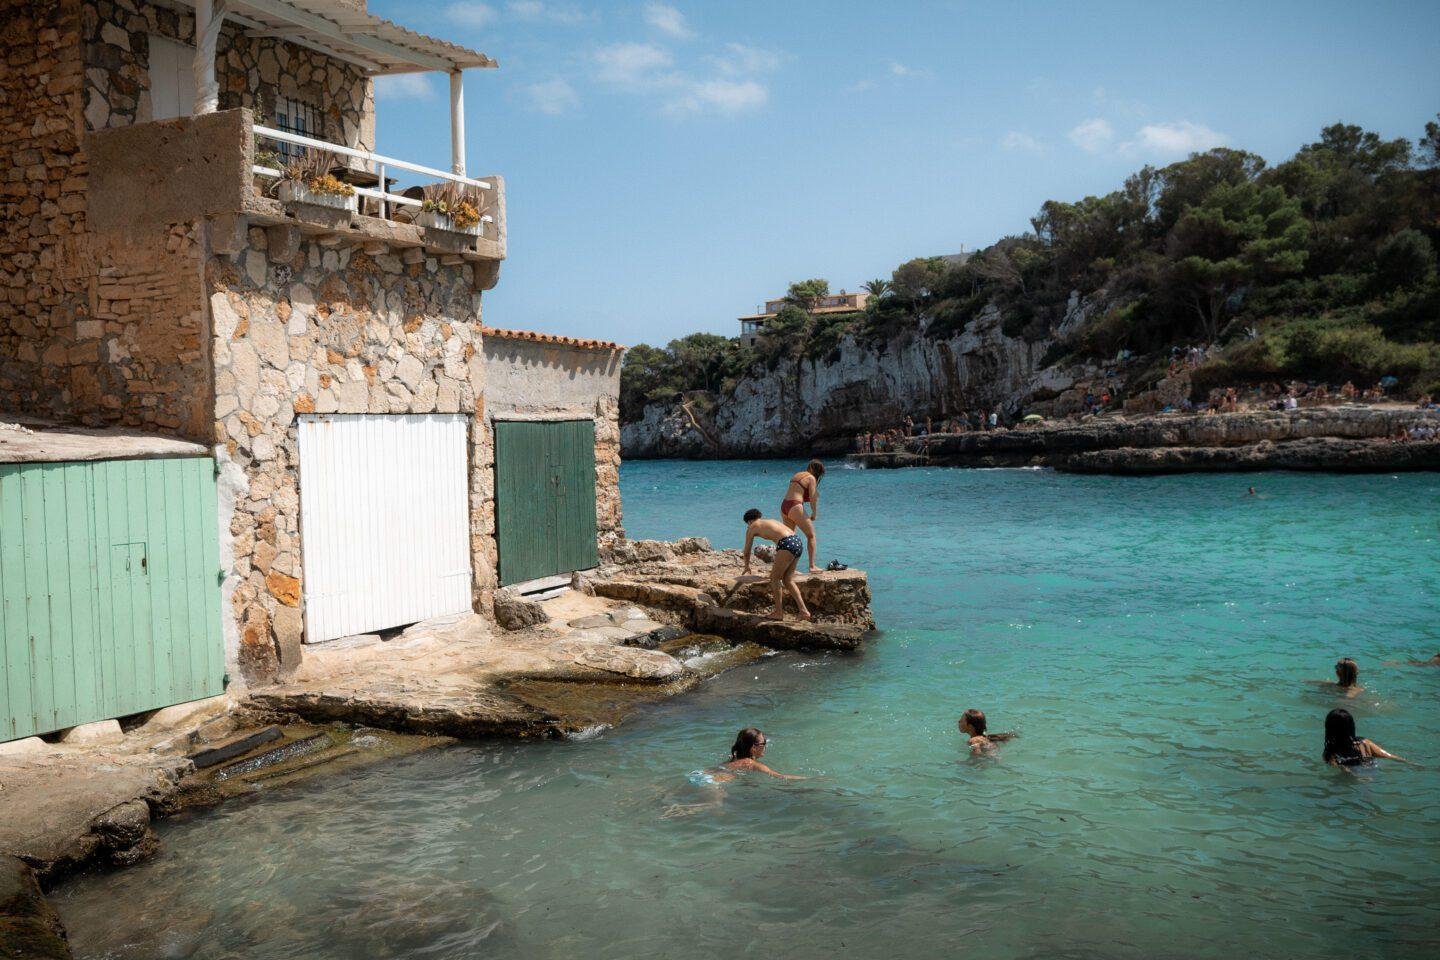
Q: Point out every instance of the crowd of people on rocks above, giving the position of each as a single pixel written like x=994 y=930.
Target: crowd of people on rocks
x=893 y=439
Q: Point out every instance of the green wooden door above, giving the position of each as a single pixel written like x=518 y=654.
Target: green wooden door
x=544 y=498
x=109 y=590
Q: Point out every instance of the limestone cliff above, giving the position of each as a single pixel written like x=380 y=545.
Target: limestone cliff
x=803 y=405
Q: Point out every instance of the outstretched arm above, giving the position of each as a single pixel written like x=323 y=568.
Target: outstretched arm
x=749 y=539
x=783 y=776
x=1375 y=750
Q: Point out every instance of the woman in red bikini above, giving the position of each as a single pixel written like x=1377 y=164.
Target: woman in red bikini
x=804 y=488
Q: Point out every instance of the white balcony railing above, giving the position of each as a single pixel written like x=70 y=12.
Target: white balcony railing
x=374 y=163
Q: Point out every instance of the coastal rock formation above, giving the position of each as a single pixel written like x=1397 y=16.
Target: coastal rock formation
x=804 y=405
x=29 y=925
x=1316 y=438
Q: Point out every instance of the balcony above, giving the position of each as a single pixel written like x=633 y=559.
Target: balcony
x=448 y=212
x=204 y=168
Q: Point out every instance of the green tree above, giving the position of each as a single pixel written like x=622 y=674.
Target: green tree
x=805 y=293
x=1238 y=234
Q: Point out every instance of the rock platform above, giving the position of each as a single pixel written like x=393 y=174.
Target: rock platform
x=1347 y=439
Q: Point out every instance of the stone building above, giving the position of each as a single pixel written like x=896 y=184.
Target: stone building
x=332 y=358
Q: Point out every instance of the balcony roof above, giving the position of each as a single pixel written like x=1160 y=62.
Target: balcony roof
x=340 y=29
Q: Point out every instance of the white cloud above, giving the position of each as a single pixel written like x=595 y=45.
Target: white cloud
x=742 y=60
x=1093 y=135
x=860 y=86
x=470 y=14
x=1015 y=140
x=668 y=21
x=631 y=64
x=551 y=96
x=1173 y=139
x=900 y=70
x=534 y=11
x=725 y=96
x=404 y=86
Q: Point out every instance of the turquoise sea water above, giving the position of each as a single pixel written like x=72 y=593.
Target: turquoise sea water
x=1154 y=642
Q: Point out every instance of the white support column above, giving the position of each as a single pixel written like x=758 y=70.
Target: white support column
x=457 y=124
x=209 y=16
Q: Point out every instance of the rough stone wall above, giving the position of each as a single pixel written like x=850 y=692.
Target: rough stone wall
x=105 y=327
x=42 y=204
x=251 y=71
x=299 y=327
x=529 y=380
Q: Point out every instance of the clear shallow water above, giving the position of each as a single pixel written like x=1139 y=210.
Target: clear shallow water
x=1153 y=642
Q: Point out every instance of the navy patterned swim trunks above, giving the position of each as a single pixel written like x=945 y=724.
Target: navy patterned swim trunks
x=792 y=543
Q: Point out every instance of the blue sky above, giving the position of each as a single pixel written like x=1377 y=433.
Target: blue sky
x=671 y=165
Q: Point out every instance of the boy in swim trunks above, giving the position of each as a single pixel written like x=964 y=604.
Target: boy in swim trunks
x=788 y=547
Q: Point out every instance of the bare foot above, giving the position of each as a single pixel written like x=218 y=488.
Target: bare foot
x=808 y=617
x=814 y=570
x=776 y=616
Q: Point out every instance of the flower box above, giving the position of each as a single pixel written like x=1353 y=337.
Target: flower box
x=434 y=220
x=292 y=191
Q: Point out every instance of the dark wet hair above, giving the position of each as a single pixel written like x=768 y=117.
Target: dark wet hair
x=1340 y=740
x=976 y=719
x=1348 y=671
x=746 y=742
x=753 y=514
x=815 y=468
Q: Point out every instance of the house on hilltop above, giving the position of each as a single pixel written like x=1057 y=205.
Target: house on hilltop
x=201 y=243
x=752 y=326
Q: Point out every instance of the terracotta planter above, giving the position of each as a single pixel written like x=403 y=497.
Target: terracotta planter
x=291 y=191
x=432 y=220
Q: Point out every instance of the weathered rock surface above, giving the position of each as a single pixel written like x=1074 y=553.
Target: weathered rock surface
x=776 y=634
x=804 y=406
x=1317 y=438
x=514 y=612
x=29 y=925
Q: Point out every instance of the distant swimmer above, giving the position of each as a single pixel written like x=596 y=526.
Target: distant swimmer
x=788 y=547
x=972 y=725
x=1347 y=677
x=1251 y=492
x=745 y=756
x=1344 y=749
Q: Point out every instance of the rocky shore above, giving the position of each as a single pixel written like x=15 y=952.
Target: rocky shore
x=653 y=621
x=1341 y=439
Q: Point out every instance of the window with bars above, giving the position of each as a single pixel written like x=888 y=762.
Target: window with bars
x=299 y=117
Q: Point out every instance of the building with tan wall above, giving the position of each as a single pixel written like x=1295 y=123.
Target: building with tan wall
x=752 y=325
x=152 y=276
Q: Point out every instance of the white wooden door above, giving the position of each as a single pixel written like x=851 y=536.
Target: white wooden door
x=384 y=520
x=172 y=79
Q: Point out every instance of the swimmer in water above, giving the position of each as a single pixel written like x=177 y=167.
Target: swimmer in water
x=1344 y=749
x=745 y=755
x=1250 y=492
x=972 y=725
x=1347 y=677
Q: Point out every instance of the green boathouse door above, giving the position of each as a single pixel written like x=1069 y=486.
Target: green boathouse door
x=544 y=498
x=109 y=591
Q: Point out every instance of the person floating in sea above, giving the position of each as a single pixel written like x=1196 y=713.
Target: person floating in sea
x=1344 y=749
x=972 y=725
x=804 y=488
x=745 y=756
x=1347 y=677
x=1251 y=492
x=782 y=566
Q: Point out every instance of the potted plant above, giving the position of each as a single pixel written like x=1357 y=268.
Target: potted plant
x=307 y=179
x=451 y=207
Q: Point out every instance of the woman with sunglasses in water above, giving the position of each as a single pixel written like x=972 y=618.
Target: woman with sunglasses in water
x=745 y=756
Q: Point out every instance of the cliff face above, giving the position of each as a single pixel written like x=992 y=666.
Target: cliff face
x=808 y=406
